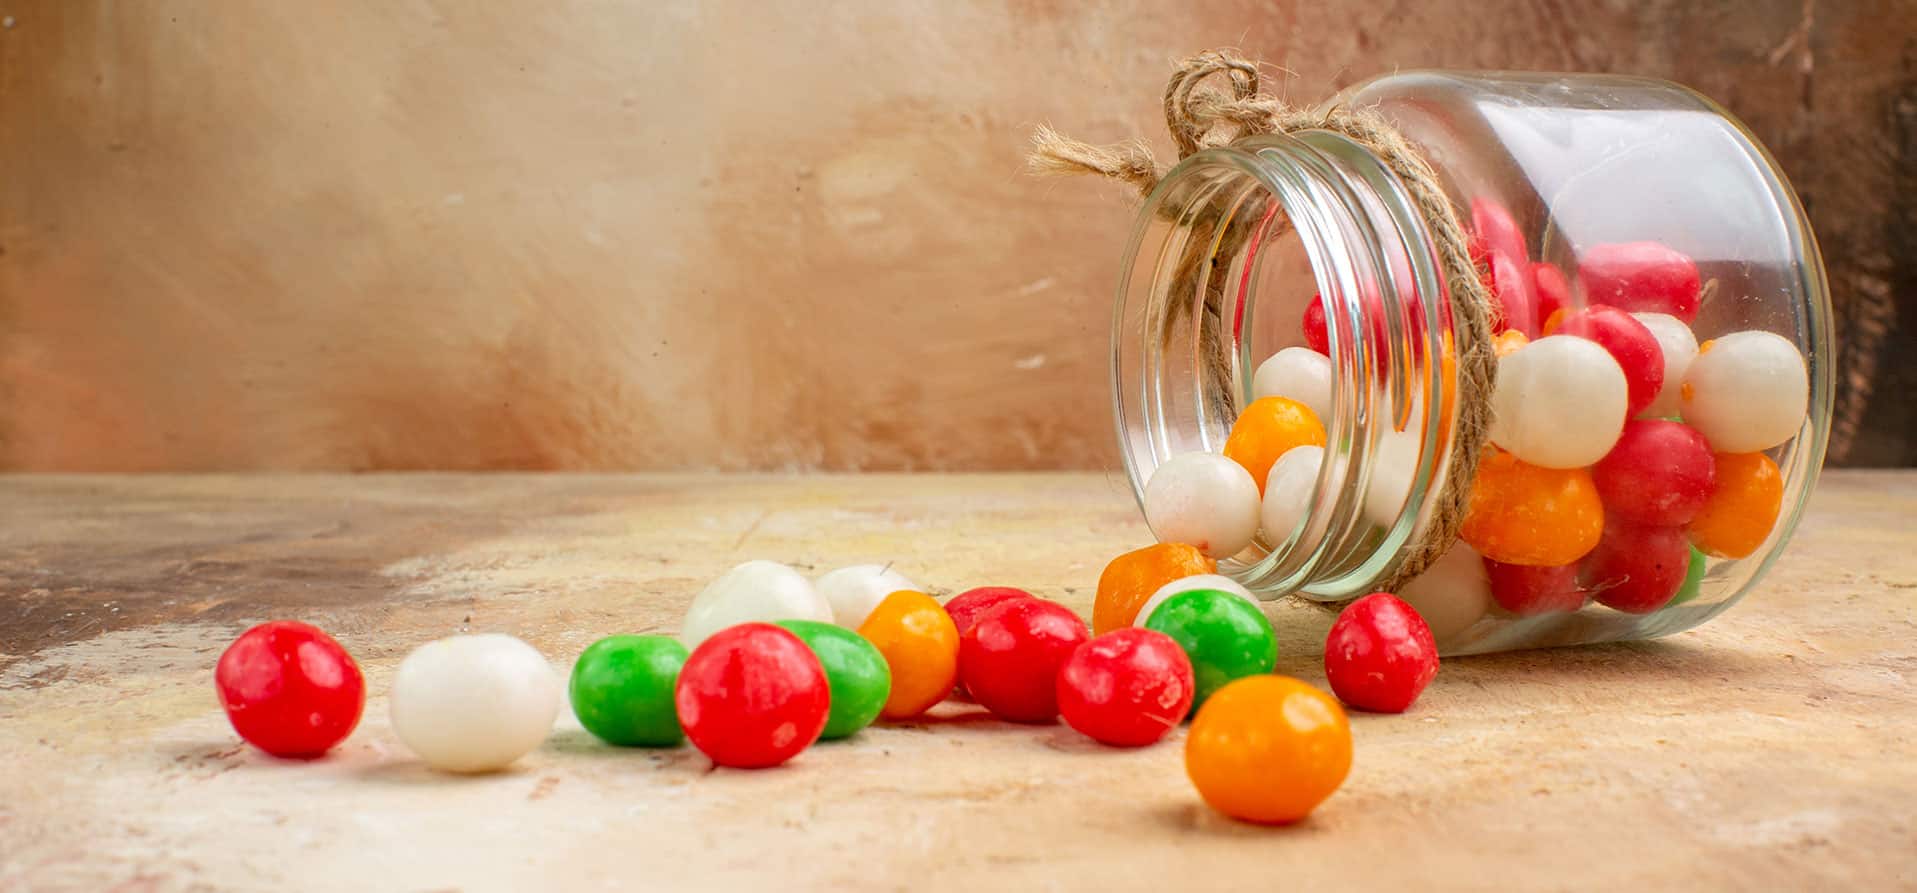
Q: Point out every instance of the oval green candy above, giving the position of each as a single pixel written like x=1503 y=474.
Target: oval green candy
x=855 y=672
x=1225 y=636
x=1693 y=579
x=622 y=689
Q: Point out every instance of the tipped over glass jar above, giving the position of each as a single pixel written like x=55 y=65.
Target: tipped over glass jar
x=1648 y=293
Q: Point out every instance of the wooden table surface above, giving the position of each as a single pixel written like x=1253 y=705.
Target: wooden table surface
x=1774 y=748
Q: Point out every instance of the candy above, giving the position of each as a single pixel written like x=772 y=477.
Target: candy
x=1225 y=637
x=1380 y=655
x=1507 y=342
x=1452 y=593
x=1267 y=429
x=966 y=607
x=1510 y=282
x=1746 y=391
x=1530 y=591
x=1394 y=467
x=1637 y=568
x=474 y=703
x=1268 y=749
x=852 y=592
x=1744 y=507
x=921 y=649
x=1560 y=402
x=1523 y=514
x=1552 y=289
x=855 y=674
x=622 y=689
x=1299 y=373
x=1678 y=346
x=756 y=590
x=1126 y=688
x=1497 y=244
x=1009 y=660
x=290 y=689
x=752 y=696
x=1660 y=473
x=1630 y=343
x=1693 y=578
x=1316 y=333
x=1205 y=500
x=1131 y=578
x=1288 y=491
x=1219 y=582
x=1641 y=276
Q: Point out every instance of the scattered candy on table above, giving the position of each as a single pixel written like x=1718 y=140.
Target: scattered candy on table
x=290 y=689
x=1380 y=655
x=1126 y=688
x=856 y=674
x=1009 y=659
x=1205 y=500
x=756 y=590
x=1225 y=637
x=474 y=703
x=920 y=645
x=1130 y=579
x=1268 y=749
x=852 y=592
x=1219 y=582
x=622 y=690
x=752 y=696
x=966 y=607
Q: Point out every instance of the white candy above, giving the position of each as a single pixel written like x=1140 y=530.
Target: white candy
x=1299 y=373
x=1203 y=500
x=1452 y=593
x=1187 y=584
x=756 y=590
x=1559 y=403
x=1679 y=346
x=852 y=592
x=1288 y=492
x=1747 y=392
x=474 y=703
x=1394 y=467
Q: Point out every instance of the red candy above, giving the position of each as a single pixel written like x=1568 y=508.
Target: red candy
x=967 y=607
x=1510 y=283
x=1660 y=473
x=1635 y=568
x=289 y=689
x=1527 y=591
x=1009 y=659
x=1380 y=654
x=1641 y=277
x=752 y=696
x=1629 y=342
x=1317 y=334
x=1126 y=688
x=1552 y=289
x=1498 y=246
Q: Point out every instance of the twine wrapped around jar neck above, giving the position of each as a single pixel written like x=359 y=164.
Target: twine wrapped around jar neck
x=1201 y=116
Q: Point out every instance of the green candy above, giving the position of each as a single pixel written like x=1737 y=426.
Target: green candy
x=622 y=689
x=855 y=673
x=1693 y=579
x=1225 y=636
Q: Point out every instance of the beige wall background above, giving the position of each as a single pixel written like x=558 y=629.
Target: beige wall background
x=368 y=234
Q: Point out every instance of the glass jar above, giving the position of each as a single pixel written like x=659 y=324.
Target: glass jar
x=1576 y=192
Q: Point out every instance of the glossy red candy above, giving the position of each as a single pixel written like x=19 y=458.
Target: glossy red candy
x=1498 y=246
x=966 y=607
x=1009 y=659
x=289 y=689
x=1629 y=342
x=1641 y=277
x=752 y=696
x=1527 y=591
x=1317 y=333
x=1126 y=688
x=1553 y=291
x=1660 y=473
x=1637 y=568
x=1380 y=654
x=1510 y=283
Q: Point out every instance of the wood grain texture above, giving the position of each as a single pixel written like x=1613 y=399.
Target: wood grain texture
x=606 y=235
x=1774 y=748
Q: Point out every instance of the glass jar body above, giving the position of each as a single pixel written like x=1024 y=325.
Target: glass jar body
x=1597 y=208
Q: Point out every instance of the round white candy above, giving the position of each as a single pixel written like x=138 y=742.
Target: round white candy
x=852 y=592
x=1747 y=392
x=1452 y=593
x=1679 y=346
x=1203 y=500
x=1219 y=582
x=1298 y=373
x=756 y=590
x=1288 y=492
x=1559 y=403
x=1394 y=467
x=474 y=703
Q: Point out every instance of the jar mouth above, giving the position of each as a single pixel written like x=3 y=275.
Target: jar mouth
x=1226 y=253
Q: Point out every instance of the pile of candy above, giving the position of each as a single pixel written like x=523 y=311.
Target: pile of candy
x=777 y=662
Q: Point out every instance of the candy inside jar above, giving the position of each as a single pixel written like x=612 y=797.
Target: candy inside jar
x=1607 y=433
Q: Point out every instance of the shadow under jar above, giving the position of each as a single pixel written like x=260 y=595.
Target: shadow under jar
x=1598 y=208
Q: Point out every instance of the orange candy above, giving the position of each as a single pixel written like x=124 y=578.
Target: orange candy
x=1131 y=578
x=1508 y=341
x=920 y=645
x=1266 y=429
x=1743 y=509
x=1268 y=749
x=1537 y=517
